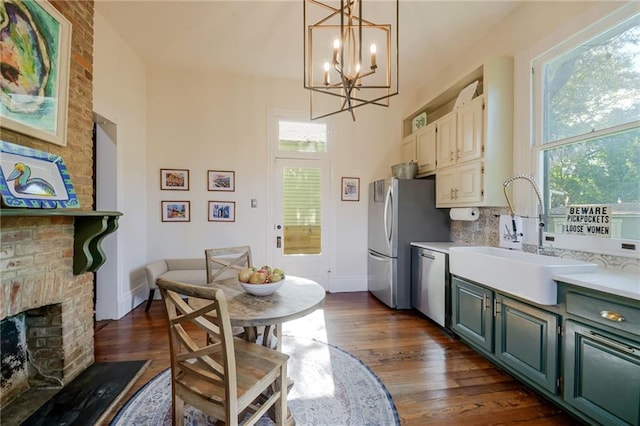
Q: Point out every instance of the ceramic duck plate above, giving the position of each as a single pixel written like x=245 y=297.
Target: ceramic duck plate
x=34 y=179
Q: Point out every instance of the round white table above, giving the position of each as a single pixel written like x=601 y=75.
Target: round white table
x=296 y=298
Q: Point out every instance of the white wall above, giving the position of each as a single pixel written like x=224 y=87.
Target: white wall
x=120 y=96
x=524 y=27
x=206 y=122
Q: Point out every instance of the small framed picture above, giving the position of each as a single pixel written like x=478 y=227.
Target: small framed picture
x=176 y=211
x=221 y=180
x=350 y=189
x=174 y=179
x=222 y=211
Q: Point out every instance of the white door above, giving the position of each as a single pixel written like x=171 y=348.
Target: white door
x=300 y=242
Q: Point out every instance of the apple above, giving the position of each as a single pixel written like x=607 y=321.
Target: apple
x=244 y=274
x=267 y=269
x=278 y=271
x=257 y=278
x=274 y=278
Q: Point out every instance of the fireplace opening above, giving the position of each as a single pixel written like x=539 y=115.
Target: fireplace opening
x=13 y=361
x=32 y=361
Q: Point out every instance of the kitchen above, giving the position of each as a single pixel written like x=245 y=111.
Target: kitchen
x=482 y=232
x=140 y=116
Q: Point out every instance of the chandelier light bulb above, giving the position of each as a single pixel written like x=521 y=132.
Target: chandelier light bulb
x=373 y=56
x=336 y=51
x=327 y=67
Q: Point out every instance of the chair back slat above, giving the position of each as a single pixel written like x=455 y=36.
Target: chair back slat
x=224 y=260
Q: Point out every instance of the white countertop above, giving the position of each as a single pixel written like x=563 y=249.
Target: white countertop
x=624 y=284
x=442 y=247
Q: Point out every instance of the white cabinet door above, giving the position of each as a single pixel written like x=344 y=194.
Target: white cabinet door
x=444 y=187
x=408 y=149
x=446 y=140
x=468 y=186
x=426 y=148
x=470 y=130
x=459 y=185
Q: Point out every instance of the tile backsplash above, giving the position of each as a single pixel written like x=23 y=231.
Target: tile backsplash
x=485 y=232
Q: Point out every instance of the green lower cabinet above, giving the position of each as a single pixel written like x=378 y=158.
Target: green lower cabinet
x=527 y=340
x=472 y=315
x=602 y=375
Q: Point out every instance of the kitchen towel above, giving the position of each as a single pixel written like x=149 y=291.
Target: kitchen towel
x=471 y=213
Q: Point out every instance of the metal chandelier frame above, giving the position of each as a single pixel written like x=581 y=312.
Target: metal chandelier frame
x=351 y=88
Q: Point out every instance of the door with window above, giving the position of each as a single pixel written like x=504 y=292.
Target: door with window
x=301 y=203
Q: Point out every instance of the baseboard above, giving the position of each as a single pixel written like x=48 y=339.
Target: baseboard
x=347 y=284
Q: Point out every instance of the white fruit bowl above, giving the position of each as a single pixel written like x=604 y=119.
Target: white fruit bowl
x=261 y=289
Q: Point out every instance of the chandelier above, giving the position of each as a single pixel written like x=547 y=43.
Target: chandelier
x=336 y=71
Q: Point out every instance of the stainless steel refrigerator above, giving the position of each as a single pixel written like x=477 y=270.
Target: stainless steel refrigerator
x=400 y=211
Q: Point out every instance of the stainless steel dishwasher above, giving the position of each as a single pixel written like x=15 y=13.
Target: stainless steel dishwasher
x=429 y=284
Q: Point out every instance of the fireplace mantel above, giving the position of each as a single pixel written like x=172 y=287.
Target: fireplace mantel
x=90 y=227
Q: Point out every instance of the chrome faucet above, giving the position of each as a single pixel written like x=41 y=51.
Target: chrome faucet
x=541 y=223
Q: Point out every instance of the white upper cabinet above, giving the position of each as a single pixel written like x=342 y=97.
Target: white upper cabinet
x=408 y=150
x=473 y=142
x=426 y=149
x=470 y=134
x=446 y=145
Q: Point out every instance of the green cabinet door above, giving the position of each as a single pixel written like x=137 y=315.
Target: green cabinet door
x=526 y=339
x=602 y=375
x=472 y=316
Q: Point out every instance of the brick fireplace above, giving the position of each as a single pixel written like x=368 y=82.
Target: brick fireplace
x=44 y=308
x=49 y=309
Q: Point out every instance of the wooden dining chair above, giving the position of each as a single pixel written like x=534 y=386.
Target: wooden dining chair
x=223 y=376
x=226 y=262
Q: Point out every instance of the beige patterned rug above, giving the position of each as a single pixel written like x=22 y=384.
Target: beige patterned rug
x=332 y=387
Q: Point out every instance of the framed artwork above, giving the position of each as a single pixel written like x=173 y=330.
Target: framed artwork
x=35 y=81
x=350 y=189
x=220 y=180
x=34 y=179
x=174 y=179
x=176 y=211
x=222 y=211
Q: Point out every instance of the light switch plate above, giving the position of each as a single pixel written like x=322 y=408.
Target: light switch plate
x=254 y=203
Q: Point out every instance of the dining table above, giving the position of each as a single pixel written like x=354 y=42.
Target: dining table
x=262 y=317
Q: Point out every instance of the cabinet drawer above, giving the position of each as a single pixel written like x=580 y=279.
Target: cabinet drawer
x=612 y=314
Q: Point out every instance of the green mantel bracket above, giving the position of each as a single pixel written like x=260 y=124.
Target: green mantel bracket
x=90 y=228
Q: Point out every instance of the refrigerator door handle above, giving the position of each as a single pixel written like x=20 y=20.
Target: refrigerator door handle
x=376 y=256
x=388 y=225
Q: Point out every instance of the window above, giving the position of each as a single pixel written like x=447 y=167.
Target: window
x=302 y=137
x=587 y=131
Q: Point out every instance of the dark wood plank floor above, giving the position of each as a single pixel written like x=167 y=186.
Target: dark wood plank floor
x=433 y=378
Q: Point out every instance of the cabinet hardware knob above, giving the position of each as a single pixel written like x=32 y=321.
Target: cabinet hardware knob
x=612 y=316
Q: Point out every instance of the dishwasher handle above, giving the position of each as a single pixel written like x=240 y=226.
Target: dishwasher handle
x=427 y=255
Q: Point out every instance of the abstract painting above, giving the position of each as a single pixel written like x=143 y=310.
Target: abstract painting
x=35 y=42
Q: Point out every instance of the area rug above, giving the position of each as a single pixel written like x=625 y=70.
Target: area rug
x=331 y=387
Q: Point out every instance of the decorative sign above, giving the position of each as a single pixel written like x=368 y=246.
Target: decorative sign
x=589 y=220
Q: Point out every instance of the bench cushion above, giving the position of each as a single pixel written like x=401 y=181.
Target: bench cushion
x=187 y=276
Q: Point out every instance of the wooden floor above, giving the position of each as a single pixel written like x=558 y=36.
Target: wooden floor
x=433 y=378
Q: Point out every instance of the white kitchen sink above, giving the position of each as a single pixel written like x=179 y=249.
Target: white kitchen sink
x=522 y=274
